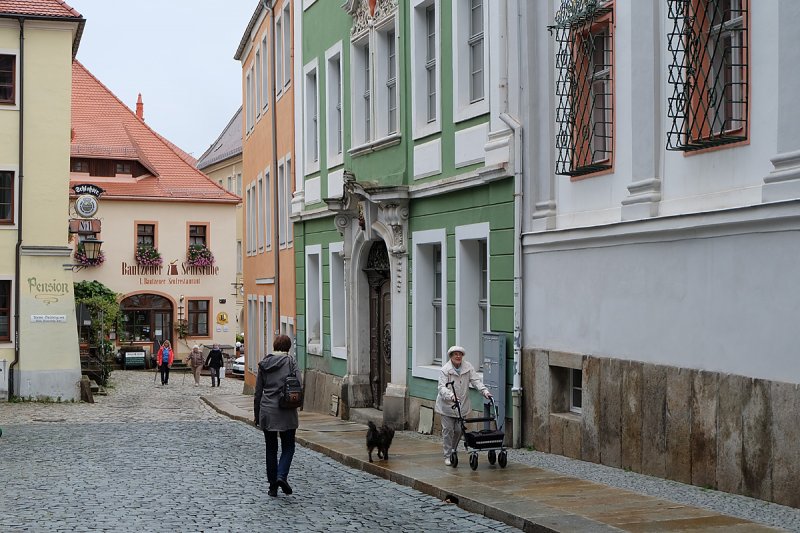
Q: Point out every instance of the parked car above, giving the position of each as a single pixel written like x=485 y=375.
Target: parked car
x=238 y=366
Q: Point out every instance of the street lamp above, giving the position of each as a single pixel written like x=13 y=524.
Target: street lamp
x=91 y=248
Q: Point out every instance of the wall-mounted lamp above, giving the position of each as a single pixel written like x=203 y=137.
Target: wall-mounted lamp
x=91 y=248
x=237 y=288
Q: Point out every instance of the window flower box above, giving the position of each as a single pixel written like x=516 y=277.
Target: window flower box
x=147 y=255
x=199 y=255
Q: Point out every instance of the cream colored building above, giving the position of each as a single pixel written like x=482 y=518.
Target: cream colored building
x=222 y=162
x=38 y=338
x=153 y=194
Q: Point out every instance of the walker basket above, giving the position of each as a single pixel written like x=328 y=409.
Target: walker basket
x=484 y=439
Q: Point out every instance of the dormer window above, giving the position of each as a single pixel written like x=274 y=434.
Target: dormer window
x=123 y=167
x=79 y=165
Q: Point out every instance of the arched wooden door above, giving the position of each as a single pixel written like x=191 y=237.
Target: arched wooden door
x=380 y=321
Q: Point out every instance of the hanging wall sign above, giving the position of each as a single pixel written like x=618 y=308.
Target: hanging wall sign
x=86 y=204
x=88 y=188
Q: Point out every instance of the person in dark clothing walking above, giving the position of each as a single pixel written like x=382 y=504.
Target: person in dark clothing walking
x=274 y=420
x=214 y=362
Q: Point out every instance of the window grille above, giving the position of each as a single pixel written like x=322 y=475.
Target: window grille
x=708 y=73
x=584 y=111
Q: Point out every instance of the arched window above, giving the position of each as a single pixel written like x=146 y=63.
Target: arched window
x=146 y=317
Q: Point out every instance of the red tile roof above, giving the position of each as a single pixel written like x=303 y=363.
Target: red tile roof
x=105 y=128
x=38 y=8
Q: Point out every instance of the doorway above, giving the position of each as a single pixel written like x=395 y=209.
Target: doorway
x=380 y=321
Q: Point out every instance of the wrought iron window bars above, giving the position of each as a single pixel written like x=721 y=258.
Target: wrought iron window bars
x=708 y=73
x=584 y=112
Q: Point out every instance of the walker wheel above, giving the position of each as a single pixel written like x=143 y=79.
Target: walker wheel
x=492 y=457
x=502 y=459
x=473 y=461
x=454 y=459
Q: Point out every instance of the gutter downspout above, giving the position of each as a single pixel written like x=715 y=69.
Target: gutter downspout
x=20 y=211
x=274 y=173
x=516 y=127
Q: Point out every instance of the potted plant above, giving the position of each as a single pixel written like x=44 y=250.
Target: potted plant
x=83 y=259
x=199 y=255
x=148 y=255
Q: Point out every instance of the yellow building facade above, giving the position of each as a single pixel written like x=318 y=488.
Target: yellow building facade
x=38 y=335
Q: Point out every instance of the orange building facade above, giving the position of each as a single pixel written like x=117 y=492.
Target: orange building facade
x=266 y=54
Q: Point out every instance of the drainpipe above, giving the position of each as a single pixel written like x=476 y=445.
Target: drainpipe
x=516 y=127
x=20 y=210
x=274 y=173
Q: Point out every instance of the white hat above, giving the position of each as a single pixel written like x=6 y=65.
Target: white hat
x=454 y=349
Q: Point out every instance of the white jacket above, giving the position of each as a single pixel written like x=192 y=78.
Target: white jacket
x=462 y=381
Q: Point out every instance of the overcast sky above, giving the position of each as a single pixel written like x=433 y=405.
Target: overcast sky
x=177 y=53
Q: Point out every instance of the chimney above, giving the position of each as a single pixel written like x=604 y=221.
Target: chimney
x=140 y=108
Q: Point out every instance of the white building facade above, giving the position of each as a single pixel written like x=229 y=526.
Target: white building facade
x=660 y=238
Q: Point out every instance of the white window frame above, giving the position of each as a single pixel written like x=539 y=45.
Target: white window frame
x=278 y=70
x=422 y=364
x=260 y=211
x=287 y=44
x=248 y=99
x=337 y=303
x=463 y=106
x=252 y=337
x=381 y=80
x=268 y=326
x=239 y=184
x=419 y=96
x=265 y=70
x=572 y=387
x=313 y=314
x=259 y=85
x=238 y=258
x=268 y=212
x=249 y=219
x=361 y=89
x=468 y=277
x=334 y=106
x=311 y=148
x=262 y=325
x=281 y=204
x=287 y=198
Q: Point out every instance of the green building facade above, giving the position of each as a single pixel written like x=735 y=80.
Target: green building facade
x=404 y=214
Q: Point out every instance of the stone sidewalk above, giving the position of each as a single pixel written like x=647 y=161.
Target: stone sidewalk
x=522 y=496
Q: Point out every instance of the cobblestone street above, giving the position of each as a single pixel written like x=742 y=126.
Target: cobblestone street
x=153 y=458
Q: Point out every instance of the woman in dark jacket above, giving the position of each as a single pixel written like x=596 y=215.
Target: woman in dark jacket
x=274 y=420
x=214 y=362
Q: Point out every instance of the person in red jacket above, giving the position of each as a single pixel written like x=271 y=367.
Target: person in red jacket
x=164 y=361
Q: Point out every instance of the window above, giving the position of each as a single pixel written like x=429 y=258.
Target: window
x=575 y=390
x=198 y=318
x=8 y=79
x=238 y=258
x=281 y=204
x=249 y=220
x=311 y=113
x=429 y=301
x=425 y=65
x=146 y=317
x=584 y=114
x=260 y=207
x=475 y=42
x=287 y=45
x=708 y=72
x=239 y=184
x=288 y=201
x=259 y=83
x=430 y=61
x=391 y=81
x=264 y=71
x=267 y=211
x=333 y=104
x=79 y=165
x=5 y=310
x=314 y=299
x=367 y=95
x=338 y=310
x=472 y=289
x=230 y=184
x=248 y=102
x=146 y=234
x=197 y=234
x=279 y=55
x=6 y=197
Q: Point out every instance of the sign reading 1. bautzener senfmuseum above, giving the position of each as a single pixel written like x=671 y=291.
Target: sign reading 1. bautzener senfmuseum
x=171 y=274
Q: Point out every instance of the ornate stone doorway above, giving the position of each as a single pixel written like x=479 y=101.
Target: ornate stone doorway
x=380 y=321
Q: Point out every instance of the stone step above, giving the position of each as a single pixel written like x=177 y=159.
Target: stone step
x=362 y=415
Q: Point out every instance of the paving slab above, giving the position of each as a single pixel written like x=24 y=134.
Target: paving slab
x=522 y=496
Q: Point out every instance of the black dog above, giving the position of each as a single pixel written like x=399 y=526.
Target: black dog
x=379 y=438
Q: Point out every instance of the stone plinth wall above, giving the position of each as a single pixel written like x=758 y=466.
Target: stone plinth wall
x=722 y=431
x=318 y=388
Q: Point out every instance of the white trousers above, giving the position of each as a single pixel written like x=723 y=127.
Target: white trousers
x=451 y=435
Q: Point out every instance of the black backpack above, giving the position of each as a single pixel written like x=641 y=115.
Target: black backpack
x=292 y=394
